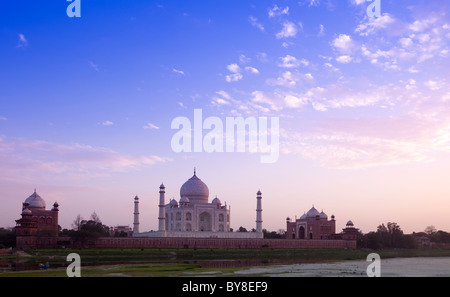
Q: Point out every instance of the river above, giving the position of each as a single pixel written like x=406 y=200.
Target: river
x=395 y=267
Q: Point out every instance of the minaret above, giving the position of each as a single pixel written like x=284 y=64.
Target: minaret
x=162 y=212
x=259 y=212
x=136 y=215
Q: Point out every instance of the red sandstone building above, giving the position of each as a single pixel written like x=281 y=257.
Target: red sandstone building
x=316 y=226
x=38 y=227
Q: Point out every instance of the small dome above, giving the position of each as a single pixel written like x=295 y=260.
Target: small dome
x=35 y=201
x=26 y=211
x=303 y=216
x=216 y=201
x=323 y=215
x=349 y=224
x=173 y=203
x=184 y=200
x=312 y=213
x=136 y=198
x=259 y=193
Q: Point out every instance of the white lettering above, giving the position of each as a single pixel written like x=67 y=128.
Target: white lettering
x=74 y=9
x=238 y=131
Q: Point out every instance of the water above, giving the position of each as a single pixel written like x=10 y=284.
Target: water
x=396 y=267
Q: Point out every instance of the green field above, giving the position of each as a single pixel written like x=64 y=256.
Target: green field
x=188 y=262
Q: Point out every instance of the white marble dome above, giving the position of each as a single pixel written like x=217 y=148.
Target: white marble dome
x=216 y=201
x=35 y=201
x=196 y=190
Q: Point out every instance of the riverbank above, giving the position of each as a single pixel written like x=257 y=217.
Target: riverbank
x=185 y=262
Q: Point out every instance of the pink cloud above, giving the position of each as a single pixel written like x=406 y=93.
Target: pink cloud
x=21 y=158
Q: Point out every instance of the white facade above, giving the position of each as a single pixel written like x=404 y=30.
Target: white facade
x=193 y=216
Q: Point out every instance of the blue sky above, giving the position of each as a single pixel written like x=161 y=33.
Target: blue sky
x=86 y=106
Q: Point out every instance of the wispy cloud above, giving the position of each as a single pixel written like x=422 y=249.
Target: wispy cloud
x=254 y=22
x=107 y=123
x=94 y=66
x=22 y=42
x=26 y=159
x=278 y=11
x=151 y=126
x=181 y=72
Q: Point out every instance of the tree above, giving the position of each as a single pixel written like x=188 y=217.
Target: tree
x=88 y=230
x=95 y=218
x=77 y=223
x=7 y=237
x=242 y=229
x=429 y=230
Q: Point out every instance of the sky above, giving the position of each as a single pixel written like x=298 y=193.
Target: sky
x=363 y=104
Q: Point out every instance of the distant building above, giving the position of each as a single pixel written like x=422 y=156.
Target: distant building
x=121 y=231
x=313 y=225
x=38 y=226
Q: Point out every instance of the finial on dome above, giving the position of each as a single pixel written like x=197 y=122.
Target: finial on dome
x=195 y=173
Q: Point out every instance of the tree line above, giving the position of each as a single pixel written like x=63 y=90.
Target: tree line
x=389 y=236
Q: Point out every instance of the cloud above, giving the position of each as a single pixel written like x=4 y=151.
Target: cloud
x=274 y=100
x=2 y=118
x=289 y=62
x=22 y=42
x=417 y=132
x=252 y=70
x=234 y=68
x=94 y=66
x=434 y=85
x=244 y=60
x=254 y=22
x=178 y=71
x=373 y=25
x=289 y=30
x=151 y=126
x=236 y=75
x=422 y=25
x=30 y=160
x=344 y=44
x=344 y=59
x=292 y=101
x=107 y=123
x=321 y=31
x=358 y=2
x=278 y=11
x=291 y=79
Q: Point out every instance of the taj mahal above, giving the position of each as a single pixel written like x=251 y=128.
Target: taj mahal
x=193 y=216
x=188 y=222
